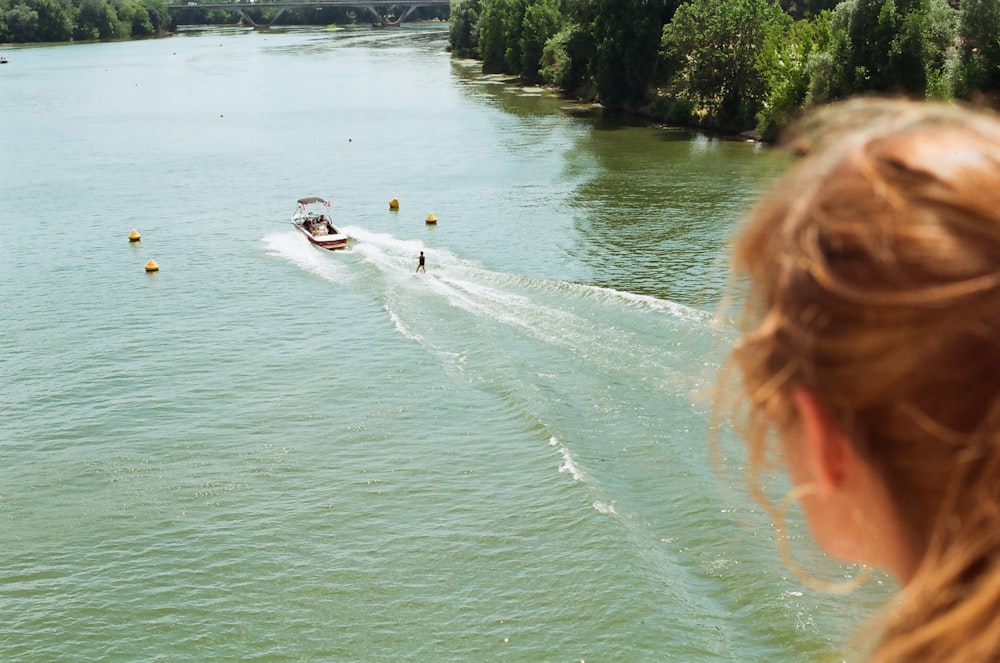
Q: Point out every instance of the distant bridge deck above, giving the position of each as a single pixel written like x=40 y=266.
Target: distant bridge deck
x=378 y=9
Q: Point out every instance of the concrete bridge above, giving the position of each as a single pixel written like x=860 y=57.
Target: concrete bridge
x=380 y=11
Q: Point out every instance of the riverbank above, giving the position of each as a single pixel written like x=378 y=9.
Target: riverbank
x=660 y=113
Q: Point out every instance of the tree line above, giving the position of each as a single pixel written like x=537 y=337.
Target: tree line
x=737 y=65
x=27 y=21
x=23 y=21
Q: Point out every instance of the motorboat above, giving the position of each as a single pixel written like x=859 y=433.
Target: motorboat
x=312 y=218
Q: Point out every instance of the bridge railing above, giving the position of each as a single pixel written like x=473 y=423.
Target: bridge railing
x=379 y=10
x=358 y=4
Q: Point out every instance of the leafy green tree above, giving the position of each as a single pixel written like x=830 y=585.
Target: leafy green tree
x=799 y=9
x=463 y=32
x=783 y=63
x=159 y=15
x=500 y=27
x=821 y=72
x=133 y=14
x=512 y=19
x=861 y=43
x=711 y=49
x=626 y=37
x=890 y=45
x=492 y=40
x=566 y=59
x=22 y=24
x=513 y=33
x=569 y=55
x=979 y=53
x=940 y=24
x=541 y=21
x=55 y=20
x=99 y=19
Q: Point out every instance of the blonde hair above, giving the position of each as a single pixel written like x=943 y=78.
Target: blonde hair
x=873 y=282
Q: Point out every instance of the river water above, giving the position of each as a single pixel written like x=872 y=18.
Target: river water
x=270 y=452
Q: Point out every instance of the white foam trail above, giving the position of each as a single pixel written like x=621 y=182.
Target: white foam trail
x=403 y=329
x=654 y=304
x=549 y=324
x=388 y=253
x=292 y=246
x=568 y=466
x=465 y=284
x=511 y=300
x=604 y=508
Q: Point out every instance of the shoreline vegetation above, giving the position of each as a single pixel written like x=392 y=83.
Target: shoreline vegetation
x=746 y=67
x=61 y=21
x=739 y=67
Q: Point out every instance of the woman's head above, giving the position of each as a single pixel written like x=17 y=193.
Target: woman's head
x=873 y=275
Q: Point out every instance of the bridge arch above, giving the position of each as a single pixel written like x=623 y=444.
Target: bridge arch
x=380 y=11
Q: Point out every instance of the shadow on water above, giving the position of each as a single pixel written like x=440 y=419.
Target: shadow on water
x=655 y=216
x=653 y=206
x=505 y=92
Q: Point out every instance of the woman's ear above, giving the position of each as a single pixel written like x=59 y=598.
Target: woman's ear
x=825 y=451
x=850 y=511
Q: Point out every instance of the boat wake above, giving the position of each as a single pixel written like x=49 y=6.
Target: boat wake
x=561 y=353
x=291 y=246
x=459 y=305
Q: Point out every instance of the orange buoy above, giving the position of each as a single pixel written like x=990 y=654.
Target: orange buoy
x=431 y=219
x=134 y=236
x=394 y=203
x=151 y=266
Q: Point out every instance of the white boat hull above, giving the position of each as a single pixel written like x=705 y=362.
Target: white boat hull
x=330 y=241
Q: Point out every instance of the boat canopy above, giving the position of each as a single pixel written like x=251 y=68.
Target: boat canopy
x=310 y=200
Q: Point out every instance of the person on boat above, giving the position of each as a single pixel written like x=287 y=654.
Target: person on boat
x=421 y=263
x=869 y=361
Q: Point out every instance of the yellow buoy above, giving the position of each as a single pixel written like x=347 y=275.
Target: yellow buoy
x=431 y=219
x=151 y=266
x=134 y=236
x=394 y=203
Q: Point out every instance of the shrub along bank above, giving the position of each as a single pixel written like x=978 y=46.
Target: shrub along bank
x=737 y=65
